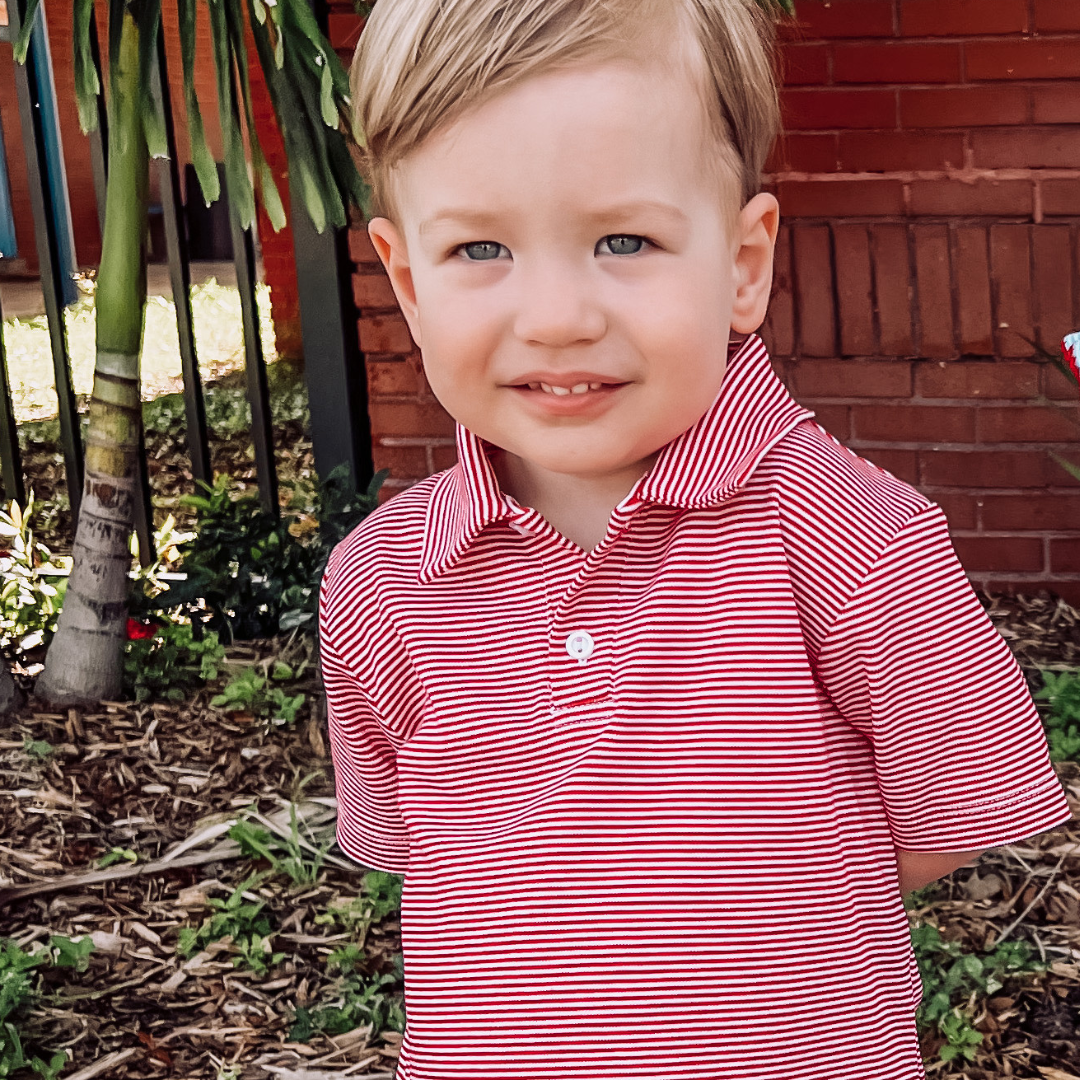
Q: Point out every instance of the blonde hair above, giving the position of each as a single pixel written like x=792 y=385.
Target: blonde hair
x=421 y=64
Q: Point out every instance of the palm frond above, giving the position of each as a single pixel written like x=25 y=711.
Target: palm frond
x=201 y=158
x=148 y=17
x=87 y=81
x=27 y=28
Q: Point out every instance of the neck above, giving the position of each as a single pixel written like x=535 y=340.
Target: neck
x=578 y=506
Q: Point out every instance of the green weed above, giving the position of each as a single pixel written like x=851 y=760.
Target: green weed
x=953 y=979
x=1062 y=722
x=252 y=691
x=20 y=989
x=243 y=922
x=287 y=856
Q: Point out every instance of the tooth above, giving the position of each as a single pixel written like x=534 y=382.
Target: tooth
x=581 y=388
x=561 y=391
x=544 y=386
x=534 y=386
x=595 y=385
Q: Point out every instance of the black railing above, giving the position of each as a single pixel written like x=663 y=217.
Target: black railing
x=334 y=366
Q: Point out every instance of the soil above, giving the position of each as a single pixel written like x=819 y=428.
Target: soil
x=163 y=780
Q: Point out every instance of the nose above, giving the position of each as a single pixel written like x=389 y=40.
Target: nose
x=557 y=306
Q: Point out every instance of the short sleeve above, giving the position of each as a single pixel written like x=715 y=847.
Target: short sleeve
x=369 y=826
x=914 y=663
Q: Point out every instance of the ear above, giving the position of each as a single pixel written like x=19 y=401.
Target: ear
x=758 y=223
x=389 y=245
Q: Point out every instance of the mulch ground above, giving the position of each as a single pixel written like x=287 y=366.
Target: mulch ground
x=166 y=781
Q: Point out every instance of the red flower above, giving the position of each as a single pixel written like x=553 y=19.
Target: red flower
x=1070 y=347
x=137 y=630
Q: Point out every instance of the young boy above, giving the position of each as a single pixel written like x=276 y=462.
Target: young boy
x=660 y=698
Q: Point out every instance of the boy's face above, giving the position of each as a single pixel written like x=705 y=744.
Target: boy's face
x=566 y=234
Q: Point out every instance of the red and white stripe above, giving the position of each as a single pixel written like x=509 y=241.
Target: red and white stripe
x=677 y=857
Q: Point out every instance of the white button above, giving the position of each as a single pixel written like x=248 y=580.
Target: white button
x=580 y=645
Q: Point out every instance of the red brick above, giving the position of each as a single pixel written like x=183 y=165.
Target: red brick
x=1055 y=284
x=986 y=468
x=1033 y=59
x=1058 y=103
x=385 y=334
x=895 y=151
x=855 y=309
x=373 y=291
x=1028 y=423
x=914 y=423
x=1027 y=148
x=804 y=153
x=1010 y=266
x=343 y=29
x=1061 y=197
x=392 y=377
x=1065 y=555
x=822 y=109
x=933 y=282
x=961 y=510
x=812 y=259
x=892 y=288
x=846 y=18
x=976 y=379
x=835 y=419
x=1000 y=553
x=903 y=464
x=961 y=198
x=896 y=63
x=780 y=324
x=971 y=269
x=841 y=198
x=1056 y=15
x=1056 y=385
x=443 y=457
x=804 y=65
x=361 y=249
x=404 y=462
x=1026 y=512
x=410 y=418
x=963 y=106
x=851 y=378
x=938 y=18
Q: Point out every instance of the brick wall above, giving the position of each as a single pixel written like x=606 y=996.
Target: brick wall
x=929 y=179
x=76 y=149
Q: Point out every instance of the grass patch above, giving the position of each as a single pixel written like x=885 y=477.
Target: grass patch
x=219 y=340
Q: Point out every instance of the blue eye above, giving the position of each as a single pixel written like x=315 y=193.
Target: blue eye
x=485 y=250
x=624 y=244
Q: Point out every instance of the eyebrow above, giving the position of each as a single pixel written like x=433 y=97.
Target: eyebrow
x=617 y=212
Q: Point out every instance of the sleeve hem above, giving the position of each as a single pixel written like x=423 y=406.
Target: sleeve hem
x=1038 y=809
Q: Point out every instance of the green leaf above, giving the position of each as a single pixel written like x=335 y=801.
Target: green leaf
x=148 y=16
x=329 y=107
x=87 y=80
x=29 y=23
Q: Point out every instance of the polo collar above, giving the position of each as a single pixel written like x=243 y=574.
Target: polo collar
x=705 y=465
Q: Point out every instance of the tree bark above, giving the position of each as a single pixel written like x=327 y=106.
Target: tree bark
x=85 y=660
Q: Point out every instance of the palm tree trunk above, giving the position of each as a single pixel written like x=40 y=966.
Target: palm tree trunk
x=85 y=660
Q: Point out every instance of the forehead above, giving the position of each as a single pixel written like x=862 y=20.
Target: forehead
x=627 y=127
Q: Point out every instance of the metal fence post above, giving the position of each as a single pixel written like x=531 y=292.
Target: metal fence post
x=49 y=253
x=334 y=367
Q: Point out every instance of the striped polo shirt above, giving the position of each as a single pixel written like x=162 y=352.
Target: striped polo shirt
x=646 y=798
